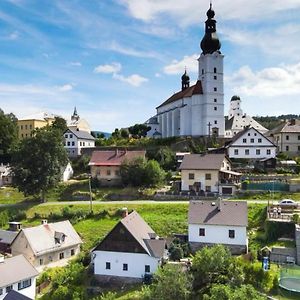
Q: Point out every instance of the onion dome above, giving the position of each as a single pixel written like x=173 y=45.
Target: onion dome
x=185 y=81
x=235 y=98
x=210 y=42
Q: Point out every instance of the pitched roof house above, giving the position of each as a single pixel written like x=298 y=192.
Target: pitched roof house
x=18 y=274
x=105 y=165
x=202 y=173
x=48 y=245
x=251 y=144
x=131 y=249
x=6 y=239
x=220 y=222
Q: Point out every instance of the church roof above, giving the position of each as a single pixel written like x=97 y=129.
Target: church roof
x=195 y=89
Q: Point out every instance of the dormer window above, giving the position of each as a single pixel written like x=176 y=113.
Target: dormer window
x=59 y=237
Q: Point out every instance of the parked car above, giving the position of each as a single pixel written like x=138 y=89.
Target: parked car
x=288 y=202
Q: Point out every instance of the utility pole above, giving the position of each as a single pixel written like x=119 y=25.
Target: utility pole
x=91 y=198
x=209 y=125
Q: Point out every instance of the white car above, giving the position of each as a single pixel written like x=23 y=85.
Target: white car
x=288 y=202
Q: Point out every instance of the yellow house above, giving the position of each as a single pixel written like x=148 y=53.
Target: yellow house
x=28 y=124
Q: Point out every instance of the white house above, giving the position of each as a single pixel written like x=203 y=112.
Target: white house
x=208 y=173
x=237 y=120
x=251 y=144
x=76 y=139
x=5 y=175
x=17 y=273
x=130 y=250
x=197 y=110
x=220 y=222
x=47 y=245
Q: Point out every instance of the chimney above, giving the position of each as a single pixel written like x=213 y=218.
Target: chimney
x=44 y=222
x=14 y=226
x=1 y=258
x=124 y=212
x=219 y=203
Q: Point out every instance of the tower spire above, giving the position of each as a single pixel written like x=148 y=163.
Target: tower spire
x=185 y=80
x=210 y=42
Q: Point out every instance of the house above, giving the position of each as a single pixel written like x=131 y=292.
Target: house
x=5 y=175
x=14 y=295
x=18 y=274
x=238 y=120
x=197 y=110
x=105 y=165
x=209 y=173
x=130 y=250
x=286 y=136
x=47 y=245
x=221 y=222
x=67 y=172
x=29 y=123
x=251 y=144
x=6 y=239
x=76 y=140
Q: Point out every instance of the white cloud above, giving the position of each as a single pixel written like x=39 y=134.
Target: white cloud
x=178 y=67
x=108 y=69
x=283 y=80
x=75 y=63
x=134 y=79
x=66 y=87
x=14 y=35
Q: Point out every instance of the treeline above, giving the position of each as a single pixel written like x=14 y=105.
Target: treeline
x=271 y=122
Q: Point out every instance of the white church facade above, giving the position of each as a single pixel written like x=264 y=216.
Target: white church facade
x=197 y=110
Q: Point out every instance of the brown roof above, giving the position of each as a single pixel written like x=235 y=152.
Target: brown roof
x=114 y=157
x=206 y=212
x=202 y=162
x=195 y=89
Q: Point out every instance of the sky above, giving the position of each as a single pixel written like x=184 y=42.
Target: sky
x=117 y=60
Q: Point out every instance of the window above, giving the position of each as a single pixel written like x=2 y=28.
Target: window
x=71 y=136
x=69 y=143
x=8 y=288
x=41 y=261
x=125 y=267
x=202 y=71
x=30 y=126
x=72 y=252
x=61 y=255
x=236 y=151
x=201 y=231
x=287 y=148
x=208 y=176
x=24 y=284
x=249 y=134
x=247 y=151
x=25 y=126
x=215 y=108
x=80 y=143
x=268 y=151
x=107 y=265
x=108 y=172
x=66 y=136
x=231 y=234
x=216 y=122
x=22 y=127
x=251 y=140
x=208 y=188
x=215 y=89
x=1 y=291
x=191 y=176
x=259 y=140
x=215 y=100
x=298 y=137
x=83 y=143
x=73 y=143
x=287 y=137
x=257 y=151
x=255 y=134
x=215 y=77
x=244 y=141
x=298 y=148
x=215 y=70
x=98 y=172
x=147 y=269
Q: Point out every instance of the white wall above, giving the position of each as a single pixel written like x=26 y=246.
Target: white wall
x=218 y=234
x=28 y=292
x=136 y=263
x=252 y=152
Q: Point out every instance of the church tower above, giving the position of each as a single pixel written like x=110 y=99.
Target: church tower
x=210 y=73
x=235 y=107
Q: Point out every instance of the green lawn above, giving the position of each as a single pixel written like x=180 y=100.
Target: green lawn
x=9 y=195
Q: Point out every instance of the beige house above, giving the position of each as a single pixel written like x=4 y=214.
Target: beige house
x=105 y=165
x=208 y=173
x=47 y=245
x=286 y=136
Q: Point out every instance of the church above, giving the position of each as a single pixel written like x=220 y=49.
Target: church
x=196 y=110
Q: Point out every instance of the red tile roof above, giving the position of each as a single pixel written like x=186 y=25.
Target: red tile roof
x=195 y=89
x=114 y=157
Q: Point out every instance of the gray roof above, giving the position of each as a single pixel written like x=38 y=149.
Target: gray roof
x=81 y=134
x=202 y=162
x=14 y=295
x=42 y=238
x=142 y=232
x=232 y=213
x=14 y=269
x=7 y=236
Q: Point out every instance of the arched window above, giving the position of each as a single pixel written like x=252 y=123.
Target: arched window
x=215 y=70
